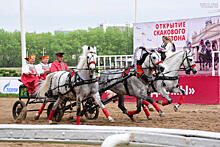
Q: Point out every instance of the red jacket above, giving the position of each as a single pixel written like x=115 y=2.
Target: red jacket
x=58 y=66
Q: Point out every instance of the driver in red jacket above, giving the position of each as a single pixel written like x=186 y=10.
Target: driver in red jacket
x=59 y=65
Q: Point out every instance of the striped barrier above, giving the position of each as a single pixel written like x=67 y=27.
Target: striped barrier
x=97 y=134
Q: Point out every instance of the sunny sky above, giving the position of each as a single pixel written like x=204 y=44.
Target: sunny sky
x=49 y=15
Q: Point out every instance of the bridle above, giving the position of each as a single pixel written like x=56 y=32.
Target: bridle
x=190 y=67
x=155 y=65
x=90 y=61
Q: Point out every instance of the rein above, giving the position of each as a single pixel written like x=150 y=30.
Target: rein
x=120 y=80
x=78 y=81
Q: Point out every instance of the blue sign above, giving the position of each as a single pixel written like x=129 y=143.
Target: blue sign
x=8 y=89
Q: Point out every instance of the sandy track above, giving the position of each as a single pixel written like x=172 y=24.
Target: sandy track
x=194 y=117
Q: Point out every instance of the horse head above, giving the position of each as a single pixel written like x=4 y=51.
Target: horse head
x=88 y=60
x=189 y=63
x=153 y=61
x=91 y=59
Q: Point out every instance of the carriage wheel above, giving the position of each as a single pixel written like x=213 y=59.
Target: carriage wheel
x=58 y=113
x=17 y=109
x=91 y=113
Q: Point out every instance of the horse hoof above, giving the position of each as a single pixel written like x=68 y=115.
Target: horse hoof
x=149 y=118
x=160 y=113
x=176 y=107
x=50 y=122
x=111 y=119
x=37 y=116
x=125 y=111
x=18 y=121
x=131 y=117
x=159 y=102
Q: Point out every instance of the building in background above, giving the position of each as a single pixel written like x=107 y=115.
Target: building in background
x=64 y=30
x=122 y=27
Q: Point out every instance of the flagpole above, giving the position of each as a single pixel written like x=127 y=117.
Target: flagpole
x=135 y=11
x=23 y=42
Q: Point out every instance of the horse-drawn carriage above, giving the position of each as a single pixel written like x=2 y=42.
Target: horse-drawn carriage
x=83 y=88
x=90 y=108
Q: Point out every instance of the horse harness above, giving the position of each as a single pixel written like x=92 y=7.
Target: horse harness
x=126 y=75
x=163 y=78
x=140 y=73
x=78 y=81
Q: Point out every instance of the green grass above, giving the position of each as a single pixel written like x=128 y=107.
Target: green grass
x=8 y=95
x=10 y=73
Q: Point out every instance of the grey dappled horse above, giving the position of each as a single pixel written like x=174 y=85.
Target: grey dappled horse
x=168 y=80
x=66 y=85
x=132 y=86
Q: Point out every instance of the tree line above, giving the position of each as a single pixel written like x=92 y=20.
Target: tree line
x=113 y=41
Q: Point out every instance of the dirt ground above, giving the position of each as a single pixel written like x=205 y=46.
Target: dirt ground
x=193 y=117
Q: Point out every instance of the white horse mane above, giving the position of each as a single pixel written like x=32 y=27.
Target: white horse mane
x=83 y=57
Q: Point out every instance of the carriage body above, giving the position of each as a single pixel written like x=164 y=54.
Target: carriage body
x=23 y=91
x=19 y=109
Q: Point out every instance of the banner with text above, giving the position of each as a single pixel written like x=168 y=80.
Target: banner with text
x=203 y=90
x=182 y=31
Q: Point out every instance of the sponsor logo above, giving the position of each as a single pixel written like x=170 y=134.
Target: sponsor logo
x=8 y=89
x=188 y=91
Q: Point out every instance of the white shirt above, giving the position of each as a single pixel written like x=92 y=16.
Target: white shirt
x=40 y=67
x=28 y=67
x=169 y=48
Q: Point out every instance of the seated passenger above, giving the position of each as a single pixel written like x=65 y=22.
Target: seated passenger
x=43 y=68
x=30 y=77
x=59 y=65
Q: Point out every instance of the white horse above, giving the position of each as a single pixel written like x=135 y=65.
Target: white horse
x=76 y=85
x=168 y=81
x=132 y=85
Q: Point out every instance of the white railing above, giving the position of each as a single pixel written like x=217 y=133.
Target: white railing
x=140 y=136
x=213 y=62
x=114 y=61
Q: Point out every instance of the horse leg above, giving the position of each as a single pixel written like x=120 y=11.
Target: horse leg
x=78 y=110
x=200 y=63
x=149 y=107
x=131 y=113
x=182 y=92
x=53 y=110
x=121 y=104
x=37 y=115
x=147 y=113
x=102 y=106
x=148 y=99
x=166 y=96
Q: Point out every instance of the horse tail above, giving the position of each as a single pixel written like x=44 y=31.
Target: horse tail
x=44 y=86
